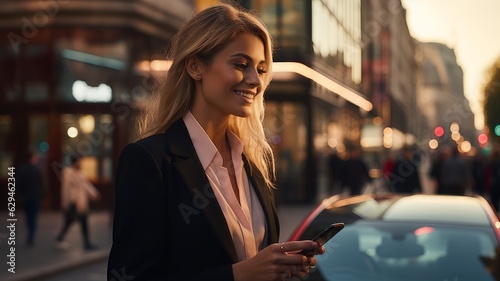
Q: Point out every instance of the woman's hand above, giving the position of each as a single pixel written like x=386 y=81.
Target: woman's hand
x=311 y=262
x=278 y=262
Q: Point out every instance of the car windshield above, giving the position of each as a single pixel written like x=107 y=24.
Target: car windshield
x=378 y=250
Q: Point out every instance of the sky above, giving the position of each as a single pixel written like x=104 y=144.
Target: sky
x=471 y=28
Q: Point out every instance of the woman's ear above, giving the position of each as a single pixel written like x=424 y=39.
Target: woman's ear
x=193 y=67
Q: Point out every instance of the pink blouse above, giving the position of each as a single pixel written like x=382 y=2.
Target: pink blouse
x=246 y=221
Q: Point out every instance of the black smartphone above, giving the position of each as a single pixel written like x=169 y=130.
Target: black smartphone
x=324 y=236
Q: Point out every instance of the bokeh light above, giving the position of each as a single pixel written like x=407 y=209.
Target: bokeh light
x=72 y=132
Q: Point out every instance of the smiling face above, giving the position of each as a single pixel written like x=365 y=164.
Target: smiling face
x=230 y=81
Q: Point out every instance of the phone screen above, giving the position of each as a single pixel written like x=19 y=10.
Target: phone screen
x=324 y=236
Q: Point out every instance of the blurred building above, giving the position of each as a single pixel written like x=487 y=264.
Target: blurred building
x=441 y=98
x=71 y=75
x=314 y=103
x=389 y=73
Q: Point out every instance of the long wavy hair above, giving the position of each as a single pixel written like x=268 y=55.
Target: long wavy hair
x=204 y=36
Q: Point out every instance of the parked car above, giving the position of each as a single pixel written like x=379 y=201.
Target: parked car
x=406 y=237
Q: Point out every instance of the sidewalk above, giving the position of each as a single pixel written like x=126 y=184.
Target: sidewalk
x=43 y=259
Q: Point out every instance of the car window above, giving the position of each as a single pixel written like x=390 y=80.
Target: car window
x=389 y=251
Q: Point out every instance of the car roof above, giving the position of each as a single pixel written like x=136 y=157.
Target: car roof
x=428 y=208
x=432 y=208
x=414 y=207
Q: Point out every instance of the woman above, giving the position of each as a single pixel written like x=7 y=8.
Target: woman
x=194 y=197
x=76 y=192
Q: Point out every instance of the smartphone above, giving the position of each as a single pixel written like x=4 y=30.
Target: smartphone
x=324 y=236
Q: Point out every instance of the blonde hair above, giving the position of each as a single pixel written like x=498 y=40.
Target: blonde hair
x=204 y=36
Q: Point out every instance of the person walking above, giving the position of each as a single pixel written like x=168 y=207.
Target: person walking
x=30 y=187
x=335 y=165
x=354 y=172
x=405 y=176
x=387 y=169
x=435 y=170
x=455 y=174
x=76 y=192
x=478 y=171
x=492 y=175
x=194 y=196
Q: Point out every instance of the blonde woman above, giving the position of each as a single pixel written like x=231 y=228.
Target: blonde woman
x=194 y=196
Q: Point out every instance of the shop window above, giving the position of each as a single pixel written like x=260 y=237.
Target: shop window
x=36 y=91
x=286 y=131
x=38 y=137
x=91 y=70
x=286 y=21
x=35 y=72
x=336 y=34
x=90 y=137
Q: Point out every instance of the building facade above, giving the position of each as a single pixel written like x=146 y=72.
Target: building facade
x=441 y=97
x=72 y=74
x=314 y=105
x=390 y=72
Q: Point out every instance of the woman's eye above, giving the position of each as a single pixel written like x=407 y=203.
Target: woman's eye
x=261 y=71
x=241 y=65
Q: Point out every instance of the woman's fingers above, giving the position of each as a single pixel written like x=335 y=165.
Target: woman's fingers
x=289 y=263
x=288 y=252
x=321 y=250
x=294 y=246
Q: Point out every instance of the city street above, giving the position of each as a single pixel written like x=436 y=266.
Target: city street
x=125 y=109
x=45 y=263
x=44 y=259
x=91 y=272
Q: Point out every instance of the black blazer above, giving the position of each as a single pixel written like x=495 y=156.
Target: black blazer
x=167 y=223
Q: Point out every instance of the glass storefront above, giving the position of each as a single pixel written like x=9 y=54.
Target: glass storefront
x=305 y=120
x=286 y=21
x=286 y=130
x=38 y=138
x=91 y=137
x=73 y=91
x=336 y=36
x=91 y=70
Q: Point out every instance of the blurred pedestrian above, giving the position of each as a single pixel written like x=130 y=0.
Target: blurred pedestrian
x=388 y=166
x=387 y=169
x=30 y=187
x=335 y=165
x=478 y=172
x=435 y=171
x=355 y=173
x=493 y=179
x=76 y=192
x=195 y=195
x=455 y=174
x=405 y=176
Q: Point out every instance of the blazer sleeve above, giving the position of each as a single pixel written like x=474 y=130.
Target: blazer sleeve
x=140 y=249
x=139 y=226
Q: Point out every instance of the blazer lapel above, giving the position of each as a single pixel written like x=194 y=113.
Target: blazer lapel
x=266 y=199
x=186 y=163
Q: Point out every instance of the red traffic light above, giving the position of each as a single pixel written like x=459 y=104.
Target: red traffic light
x=439 y=131
x=482 y=139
